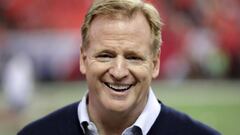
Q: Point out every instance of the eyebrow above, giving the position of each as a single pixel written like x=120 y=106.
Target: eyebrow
x=103 y=50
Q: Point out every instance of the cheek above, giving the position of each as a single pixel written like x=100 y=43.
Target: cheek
x=95 y=67
x=142 y=72
x=96 y=72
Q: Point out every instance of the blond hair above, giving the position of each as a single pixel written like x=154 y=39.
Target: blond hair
x=126 y=8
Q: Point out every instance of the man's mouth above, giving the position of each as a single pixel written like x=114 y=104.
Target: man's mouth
x=118 y=87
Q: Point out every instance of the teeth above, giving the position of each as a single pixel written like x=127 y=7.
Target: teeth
x=118 y=87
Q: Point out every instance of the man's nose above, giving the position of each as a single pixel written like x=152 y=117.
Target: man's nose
x=119 y=69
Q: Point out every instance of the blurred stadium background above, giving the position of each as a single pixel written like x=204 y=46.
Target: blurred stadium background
x=200 y=58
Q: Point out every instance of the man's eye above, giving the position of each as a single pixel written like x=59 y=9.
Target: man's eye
x=104 y=56
x=135 y=58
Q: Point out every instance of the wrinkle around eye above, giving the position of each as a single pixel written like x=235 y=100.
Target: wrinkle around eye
x=91 y=60
x=103 y=58
x=138 y=60
x=104 y=55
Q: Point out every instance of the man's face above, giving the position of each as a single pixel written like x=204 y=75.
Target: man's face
x=118 y=63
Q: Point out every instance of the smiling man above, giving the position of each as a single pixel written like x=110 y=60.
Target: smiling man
x=119 y=56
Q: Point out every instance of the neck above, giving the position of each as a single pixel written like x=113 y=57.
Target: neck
x=111 y=122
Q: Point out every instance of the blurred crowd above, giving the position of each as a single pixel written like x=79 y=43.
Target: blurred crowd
x=200 y=37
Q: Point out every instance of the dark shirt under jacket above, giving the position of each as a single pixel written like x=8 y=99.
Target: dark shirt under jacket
x=65 y=122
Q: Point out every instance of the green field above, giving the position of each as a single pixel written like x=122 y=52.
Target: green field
x=216 y=103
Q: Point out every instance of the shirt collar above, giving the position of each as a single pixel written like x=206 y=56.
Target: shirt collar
x=149 y=114
x=82 y=110
x=144 y=121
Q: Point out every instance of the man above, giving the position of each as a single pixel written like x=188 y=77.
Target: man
x=119 y=57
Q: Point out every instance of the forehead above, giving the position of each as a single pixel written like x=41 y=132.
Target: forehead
x=120 y=25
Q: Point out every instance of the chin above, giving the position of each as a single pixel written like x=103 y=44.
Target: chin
x=118 y=106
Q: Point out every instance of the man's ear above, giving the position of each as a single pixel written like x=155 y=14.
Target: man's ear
x=156 y=65
x=82 y=60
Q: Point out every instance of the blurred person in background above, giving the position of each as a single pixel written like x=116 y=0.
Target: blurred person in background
x=18 y=85
x=119 y=56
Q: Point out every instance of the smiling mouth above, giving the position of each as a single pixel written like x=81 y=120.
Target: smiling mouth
x=119 y=87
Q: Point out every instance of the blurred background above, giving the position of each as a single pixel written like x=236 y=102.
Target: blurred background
x=200 y=59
